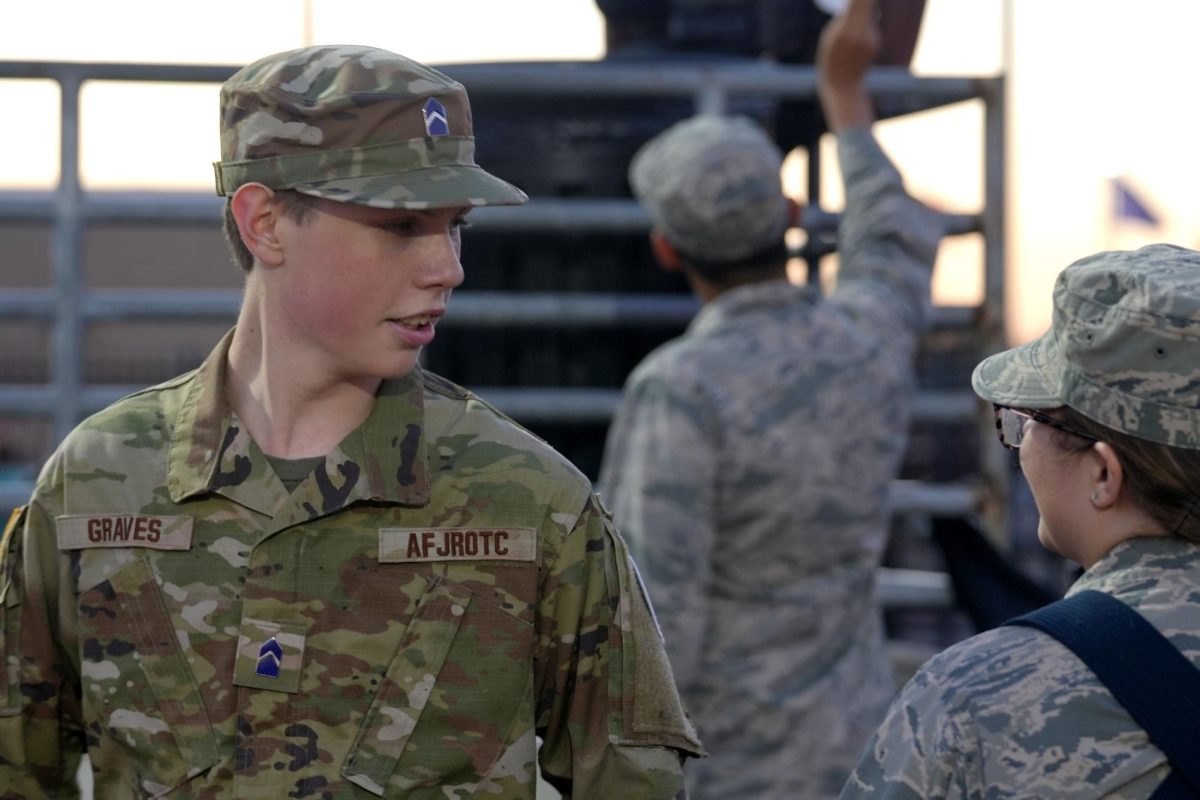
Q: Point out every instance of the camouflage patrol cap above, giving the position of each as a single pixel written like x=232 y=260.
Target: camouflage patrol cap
x=1123 y=347
x=353 y=124
x=711 y=185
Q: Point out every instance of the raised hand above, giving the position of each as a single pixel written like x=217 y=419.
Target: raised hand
x=849 y=44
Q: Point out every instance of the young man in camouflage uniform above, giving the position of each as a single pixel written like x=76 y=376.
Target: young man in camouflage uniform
x=750 y=462
x=309 y=568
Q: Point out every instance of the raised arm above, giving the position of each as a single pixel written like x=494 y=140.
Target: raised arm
x=887 y=242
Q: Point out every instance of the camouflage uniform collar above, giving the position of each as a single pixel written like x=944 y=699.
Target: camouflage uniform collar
x=1138 y=563
x=384 y=459
x=198 y=432
x=750 y=297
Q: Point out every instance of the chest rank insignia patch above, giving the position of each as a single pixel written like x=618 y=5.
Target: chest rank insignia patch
x=412 y=545
x=436 y=122
x=269 y=657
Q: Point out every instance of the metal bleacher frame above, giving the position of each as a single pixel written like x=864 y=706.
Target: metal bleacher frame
x=71 y=306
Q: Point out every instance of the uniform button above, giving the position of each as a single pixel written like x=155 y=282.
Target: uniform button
x=457 y=610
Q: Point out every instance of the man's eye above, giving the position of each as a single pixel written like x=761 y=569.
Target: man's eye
x=402 y=227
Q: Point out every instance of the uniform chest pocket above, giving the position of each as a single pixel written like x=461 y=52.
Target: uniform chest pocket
x=452 y=699
x=137 y=685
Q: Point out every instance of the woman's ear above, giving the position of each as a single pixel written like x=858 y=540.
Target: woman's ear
x=1106 y=476
x=257 y=216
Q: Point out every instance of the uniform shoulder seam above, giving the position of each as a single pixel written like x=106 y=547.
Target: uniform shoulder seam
x=443 y=386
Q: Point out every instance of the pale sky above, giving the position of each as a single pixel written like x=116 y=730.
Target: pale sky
x=1098 y=88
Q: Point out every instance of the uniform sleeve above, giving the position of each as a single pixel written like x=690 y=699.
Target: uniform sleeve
x=41 y=736
x=659 y=476
x=887 y=244
x=608 y=712
x=922 y=750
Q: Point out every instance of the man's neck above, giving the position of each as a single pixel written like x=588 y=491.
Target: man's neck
x=289 y=405
x=707 y=291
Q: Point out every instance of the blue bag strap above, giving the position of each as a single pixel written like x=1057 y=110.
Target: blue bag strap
x=1149 y=677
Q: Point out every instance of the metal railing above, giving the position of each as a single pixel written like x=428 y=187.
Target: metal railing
x=70 y=305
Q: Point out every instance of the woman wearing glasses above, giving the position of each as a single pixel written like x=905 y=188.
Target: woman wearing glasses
x=1104 y=411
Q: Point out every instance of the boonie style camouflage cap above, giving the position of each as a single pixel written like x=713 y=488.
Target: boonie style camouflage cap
x=353 y=124
x=1123 y=347
x=711 y=184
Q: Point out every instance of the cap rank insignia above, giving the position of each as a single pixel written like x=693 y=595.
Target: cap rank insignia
x=436 y=123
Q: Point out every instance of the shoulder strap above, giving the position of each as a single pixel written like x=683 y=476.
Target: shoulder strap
x=1147 y=674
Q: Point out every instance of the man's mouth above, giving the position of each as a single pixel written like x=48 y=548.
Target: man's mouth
x=415 y=323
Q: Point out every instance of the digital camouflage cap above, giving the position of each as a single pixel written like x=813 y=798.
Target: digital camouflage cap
x=711 y=184
x=357 y=125
x=1123 y=347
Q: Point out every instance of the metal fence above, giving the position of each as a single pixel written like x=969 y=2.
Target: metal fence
x=70 y=305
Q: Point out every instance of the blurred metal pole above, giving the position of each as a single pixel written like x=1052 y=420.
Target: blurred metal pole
x=996 y=506
x=67 y=260
x=307 y=12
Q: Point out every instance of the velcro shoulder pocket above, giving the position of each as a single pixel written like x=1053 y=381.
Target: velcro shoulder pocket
x=652 y=713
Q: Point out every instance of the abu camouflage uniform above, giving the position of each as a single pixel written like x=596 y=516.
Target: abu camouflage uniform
x=440 y=591
x=749 y=468
x=1012 y=712
x=437 y=594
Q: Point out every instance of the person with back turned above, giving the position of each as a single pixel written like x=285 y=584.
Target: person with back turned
x=750 y=461
x=1093 y=695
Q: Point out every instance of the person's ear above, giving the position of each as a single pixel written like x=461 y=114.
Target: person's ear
x=257 y=216
x=1105 y=474
x=664 y=252
x=795 y=214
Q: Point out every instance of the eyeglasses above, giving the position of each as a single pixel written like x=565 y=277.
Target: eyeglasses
x=1010 y=425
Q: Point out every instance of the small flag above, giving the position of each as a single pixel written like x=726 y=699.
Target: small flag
x=1128 y=206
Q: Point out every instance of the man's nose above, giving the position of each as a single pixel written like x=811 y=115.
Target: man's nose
x=443 y=266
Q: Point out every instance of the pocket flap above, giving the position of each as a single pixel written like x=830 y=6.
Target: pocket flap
x=406 y=689
x=175 y=716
